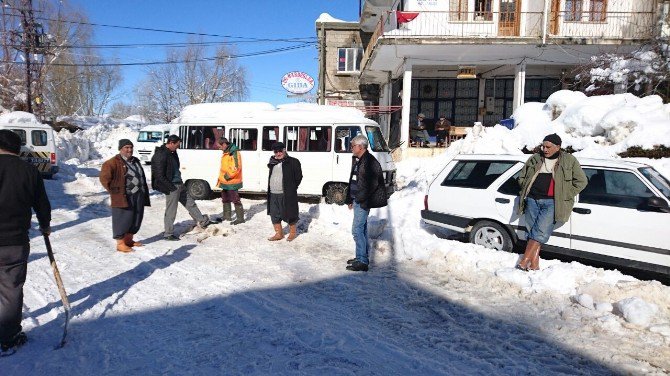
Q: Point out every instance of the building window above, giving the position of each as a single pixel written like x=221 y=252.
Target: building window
x=483 y=10
x=458 y=10
x=573 y=10
x=349 y=59
x=456 y=100
x=598 y=10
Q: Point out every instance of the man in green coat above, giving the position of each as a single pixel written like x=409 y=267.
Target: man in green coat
x=549 y=182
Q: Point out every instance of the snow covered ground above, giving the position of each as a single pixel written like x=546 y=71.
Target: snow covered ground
x=226 y=301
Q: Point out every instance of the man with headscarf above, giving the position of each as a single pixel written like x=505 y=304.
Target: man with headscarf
x=284 y=179
x=124 y=179
x=549 y=182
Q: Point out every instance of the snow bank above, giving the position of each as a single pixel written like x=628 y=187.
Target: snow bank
x=637 y=311
x=17 y=117
x=98 y=139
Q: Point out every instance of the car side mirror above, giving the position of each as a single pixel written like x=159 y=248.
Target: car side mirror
x=658 y=204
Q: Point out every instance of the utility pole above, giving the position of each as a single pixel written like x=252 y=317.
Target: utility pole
x=29 y=36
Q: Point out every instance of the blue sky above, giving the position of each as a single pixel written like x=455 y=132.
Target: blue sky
x=252 y=18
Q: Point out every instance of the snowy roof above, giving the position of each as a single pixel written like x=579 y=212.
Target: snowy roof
x=325 y=17
x=156 y=127
x=265 y=113
x=20 y=118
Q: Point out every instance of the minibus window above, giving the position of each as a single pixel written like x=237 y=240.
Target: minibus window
x=148 y=136
x=200 y=137
x=313 y=138
x=245 y=139
x=38 y=138
x=270 y=136
x=375 y=138
x=343 y=136
x=21 y=134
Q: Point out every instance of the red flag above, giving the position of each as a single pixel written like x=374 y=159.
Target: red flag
x=403 y=17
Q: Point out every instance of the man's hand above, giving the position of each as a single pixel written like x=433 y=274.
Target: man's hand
x=46 y=231
x=351 y=206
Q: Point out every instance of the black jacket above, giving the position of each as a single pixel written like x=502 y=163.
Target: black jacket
x=291 y=178
x=370 y=181
x=162 y=169
x=21 y=189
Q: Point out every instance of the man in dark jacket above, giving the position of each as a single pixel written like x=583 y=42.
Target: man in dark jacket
x=21 y=189
x=366 y=191
x=284 y=179
x=123 y=177
x=166 y=178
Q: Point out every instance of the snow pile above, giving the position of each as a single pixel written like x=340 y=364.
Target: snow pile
x=85 y=122
x=597 y=127
x=325 y=17
x=18 y=117
x=98 y=139
x=637 y=311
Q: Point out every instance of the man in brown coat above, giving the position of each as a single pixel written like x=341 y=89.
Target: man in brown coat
x=124 y=179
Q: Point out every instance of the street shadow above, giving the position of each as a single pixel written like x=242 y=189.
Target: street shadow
x=357 y=324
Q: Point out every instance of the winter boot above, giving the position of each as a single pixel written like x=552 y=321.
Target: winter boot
x=279 y=233
x=122 y=247
x=291 y=232
x=227 y=212
x=128 y=239
x=239 y=214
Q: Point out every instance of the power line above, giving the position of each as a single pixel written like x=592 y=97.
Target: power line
x=136 y=45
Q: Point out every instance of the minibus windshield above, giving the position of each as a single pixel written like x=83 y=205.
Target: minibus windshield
x=149 y=136
x=377 y=142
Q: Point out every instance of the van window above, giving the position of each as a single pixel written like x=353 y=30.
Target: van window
x=201 y=137
x=511 y=186
x=614 y=188
x=658 y=180
x=245 y=139
x=343 y=136
x=21 y=134
x=476 y=174
x=270 y=136
x=313 y=138
x=150 y=136
x=38 y=138
x=375 y=138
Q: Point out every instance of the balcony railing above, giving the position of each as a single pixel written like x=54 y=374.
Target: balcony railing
x=528 y=25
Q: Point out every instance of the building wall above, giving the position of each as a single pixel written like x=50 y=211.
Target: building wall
x=340 y=85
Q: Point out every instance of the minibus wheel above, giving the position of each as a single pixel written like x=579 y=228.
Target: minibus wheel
x=336 y=193
x=198 y=189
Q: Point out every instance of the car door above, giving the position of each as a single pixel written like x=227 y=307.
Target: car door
x=611 y=218
x=507 y=204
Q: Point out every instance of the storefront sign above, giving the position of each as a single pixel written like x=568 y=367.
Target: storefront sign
x=297 y=82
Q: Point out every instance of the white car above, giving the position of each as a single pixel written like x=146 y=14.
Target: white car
x=620 y=218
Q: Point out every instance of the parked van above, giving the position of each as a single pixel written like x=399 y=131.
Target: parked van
x=38 y=145
x=149 y=138
x=316 y=135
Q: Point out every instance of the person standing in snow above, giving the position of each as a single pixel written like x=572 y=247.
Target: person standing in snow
x=166 y=178
x=123 y=177
x=230 y=181
x=21 y=189
x=549 y=182
x=366 y=191
x=285 y=177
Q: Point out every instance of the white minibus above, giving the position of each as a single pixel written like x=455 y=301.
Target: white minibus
x=38 y=145
x=149 y=138
x=316 y=135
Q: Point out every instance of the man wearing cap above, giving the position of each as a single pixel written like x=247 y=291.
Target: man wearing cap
x=230 y=181
x=418 y=132
x=549 y=182
x=166 y=178
x=21 y=191
x=284 y=179
x=124 y=179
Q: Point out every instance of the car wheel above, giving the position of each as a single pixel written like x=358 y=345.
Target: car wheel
x=198 y=189
x=336 y=194
x=491 y=235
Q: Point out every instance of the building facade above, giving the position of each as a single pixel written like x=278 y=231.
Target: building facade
x=478 y=60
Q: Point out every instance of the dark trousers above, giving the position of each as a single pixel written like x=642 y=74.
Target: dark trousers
x=13 y=268
x=128 y=220
x=276 y=207
x=230 y=196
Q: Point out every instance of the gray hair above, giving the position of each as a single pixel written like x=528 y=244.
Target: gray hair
x=360 y=140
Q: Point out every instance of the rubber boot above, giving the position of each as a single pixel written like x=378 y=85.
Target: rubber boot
x=122 y=247
x=128 y=240
x=291 y=232
x=227 y=213
x=239 y=214
x=524 y=263
x=279 y=233
x=535 y=260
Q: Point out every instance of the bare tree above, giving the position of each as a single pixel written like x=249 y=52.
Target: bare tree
x=191 y=77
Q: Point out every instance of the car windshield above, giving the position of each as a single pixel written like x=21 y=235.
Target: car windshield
x=377 y=142
x=150 y=136
x=658 y=180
